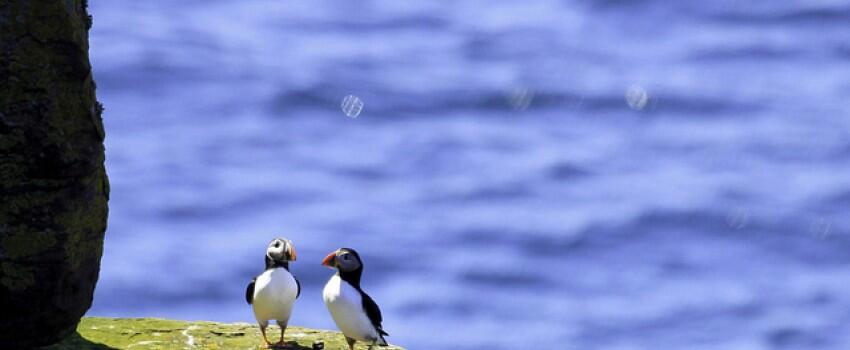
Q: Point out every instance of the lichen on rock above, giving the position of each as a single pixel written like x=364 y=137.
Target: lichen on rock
x=98 y=333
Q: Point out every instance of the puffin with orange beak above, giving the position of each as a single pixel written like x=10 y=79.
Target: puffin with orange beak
x=272 y=294
x=355 y=313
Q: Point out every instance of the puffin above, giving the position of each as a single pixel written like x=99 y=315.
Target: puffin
x=272 y=294
x=353 y=311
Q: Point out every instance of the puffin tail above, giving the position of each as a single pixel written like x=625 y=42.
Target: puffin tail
x=381 y=341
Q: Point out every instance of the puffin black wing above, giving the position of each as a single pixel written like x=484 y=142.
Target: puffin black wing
x=297 y=286
x=249 y=293
x=373 y=312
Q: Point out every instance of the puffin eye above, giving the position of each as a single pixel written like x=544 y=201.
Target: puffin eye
x=277 y=244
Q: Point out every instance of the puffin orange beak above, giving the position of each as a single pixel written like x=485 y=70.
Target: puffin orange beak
x=291 y=251
x=330 y=260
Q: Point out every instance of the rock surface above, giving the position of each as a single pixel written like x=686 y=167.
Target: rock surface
x=53 y=186
x=97 y=333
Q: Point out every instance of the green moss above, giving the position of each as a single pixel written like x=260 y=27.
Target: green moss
x=97 y=333
x=79 y=223
x=78 y=250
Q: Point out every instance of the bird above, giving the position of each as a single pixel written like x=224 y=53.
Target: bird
x=353 y=311
x=272 y=294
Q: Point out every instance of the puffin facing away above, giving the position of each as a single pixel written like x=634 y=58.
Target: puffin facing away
x=355 y=313
x=273 y=292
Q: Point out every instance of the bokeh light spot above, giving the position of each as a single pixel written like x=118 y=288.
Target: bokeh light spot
x=352 y=106
x=637 y=97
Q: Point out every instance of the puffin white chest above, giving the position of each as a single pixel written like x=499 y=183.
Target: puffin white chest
x=274 y=295
x=346 y=307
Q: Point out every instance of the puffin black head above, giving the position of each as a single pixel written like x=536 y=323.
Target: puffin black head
x=348 y=262
x=344 y=259
x=279 y=253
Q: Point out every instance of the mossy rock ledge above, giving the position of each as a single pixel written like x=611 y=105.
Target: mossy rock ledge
x=99 y=333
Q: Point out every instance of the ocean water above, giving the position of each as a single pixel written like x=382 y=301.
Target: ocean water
x=516 y=174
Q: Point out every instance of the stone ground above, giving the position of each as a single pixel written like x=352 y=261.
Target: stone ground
x=97 y=333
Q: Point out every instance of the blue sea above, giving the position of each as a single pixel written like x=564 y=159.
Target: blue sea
x=590 y=174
